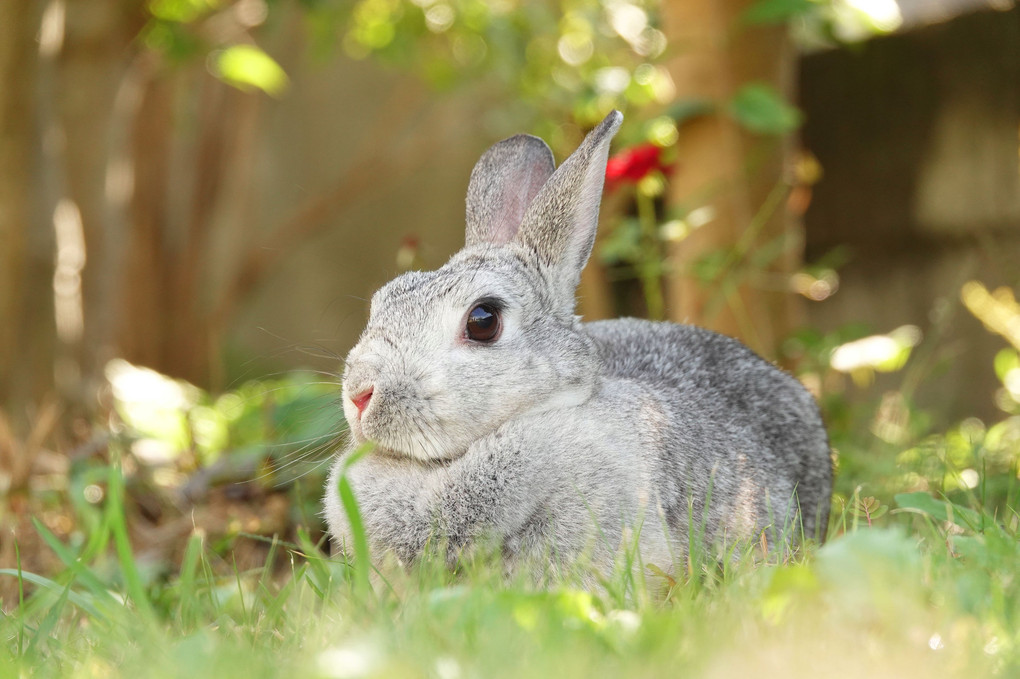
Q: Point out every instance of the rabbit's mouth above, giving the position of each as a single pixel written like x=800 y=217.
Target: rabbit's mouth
x=398 y=456
x=408 y=432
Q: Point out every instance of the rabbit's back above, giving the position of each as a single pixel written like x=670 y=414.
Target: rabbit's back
x=738 y=438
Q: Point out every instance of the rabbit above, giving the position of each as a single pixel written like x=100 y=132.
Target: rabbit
x=497 y=415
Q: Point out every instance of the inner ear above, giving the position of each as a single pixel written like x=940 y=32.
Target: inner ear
x=503 y=185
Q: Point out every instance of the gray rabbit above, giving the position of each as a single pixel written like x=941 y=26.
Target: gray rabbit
x=497 y=414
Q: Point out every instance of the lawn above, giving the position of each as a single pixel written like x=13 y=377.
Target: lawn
x=918 y=577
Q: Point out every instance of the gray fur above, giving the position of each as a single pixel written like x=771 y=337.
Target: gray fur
x=561 y=437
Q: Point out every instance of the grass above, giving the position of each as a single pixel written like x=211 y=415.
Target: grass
x=933 y=592
x=920 y=576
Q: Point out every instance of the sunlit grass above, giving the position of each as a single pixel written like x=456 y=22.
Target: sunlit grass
x=933 y=593
x=919 y=577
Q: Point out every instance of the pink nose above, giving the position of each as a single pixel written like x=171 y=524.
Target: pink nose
x=361 y=400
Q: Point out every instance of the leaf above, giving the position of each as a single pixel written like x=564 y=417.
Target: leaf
x=939 y=510
x=688 y=108
x=247 y=66
x=970 y=547
x=711 y=266
x=1006 y=361
x=761 y=109
x=878 y=565
x=662 y=574
x=788 y=584
x=623 y=244
x=869 y=507
x=776 y=11
x=181 y=11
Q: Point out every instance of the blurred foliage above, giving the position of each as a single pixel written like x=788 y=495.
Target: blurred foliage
x=246 y=66
x=844 y=22
x=546 y=63
x=251 y=461
x=759 y=108
x=271 y=420
x=550 y=61
x=889 y=446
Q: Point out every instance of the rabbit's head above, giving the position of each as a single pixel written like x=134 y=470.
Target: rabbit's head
x=450 y=355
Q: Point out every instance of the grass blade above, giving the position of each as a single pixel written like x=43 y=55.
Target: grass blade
x=50 y=621
x=362 y=562
x=75 y=598
x=121 y=542
x=86 y=577
x=187 y=582
x=21 y=600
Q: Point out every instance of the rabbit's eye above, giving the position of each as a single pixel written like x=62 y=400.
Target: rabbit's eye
x=482 y=323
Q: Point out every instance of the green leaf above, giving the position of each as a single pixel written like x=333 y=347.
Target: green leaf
x=788 y=585
x=776 y=11
x=1006 y=361
x=970 y=547
x=761 y=109
x=711 y=266
x=939 y=510
x=172 y=39
x=247 y=67
x=181 y=11
x=623 y=244
x=688 y=108
x=874 y=564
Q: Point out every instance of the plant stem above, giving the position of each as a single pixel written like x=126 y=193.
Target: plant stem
x=651 y=259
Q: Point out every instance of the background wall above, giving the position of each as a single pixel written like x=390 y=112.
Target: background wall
x=917 y=134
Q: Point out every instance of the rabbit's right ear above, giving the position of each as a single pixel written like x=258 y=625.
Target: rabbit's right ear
x=559 y=227
x=504 y=182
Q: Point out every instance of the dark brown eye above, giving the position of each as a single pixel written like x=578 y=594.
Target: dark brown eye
x=482 y=323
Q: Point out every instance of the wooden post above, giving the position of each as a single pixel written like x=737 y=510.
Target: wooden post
x=739 y=176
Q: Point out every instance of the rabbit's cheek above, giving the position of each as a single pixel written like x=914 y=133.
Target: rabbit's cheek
x=350 y=413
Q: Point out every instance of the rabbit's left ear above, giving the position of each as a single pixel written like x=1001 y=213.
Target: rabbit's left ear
x=504 y=182
x=559 y=226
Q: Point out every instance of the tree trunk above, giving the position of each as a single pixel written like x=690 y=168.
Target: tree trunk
x=25 y=373
x=737 y=174
x=89 y=69
x=145 y=110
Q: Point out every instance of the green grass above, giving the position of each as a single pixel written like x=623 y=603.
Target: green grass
x=933 y=592
x=920 y=576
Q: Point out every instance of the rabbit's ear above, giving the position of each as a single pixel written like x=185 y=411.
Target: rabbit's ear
x=560 y=224
x=504 y=182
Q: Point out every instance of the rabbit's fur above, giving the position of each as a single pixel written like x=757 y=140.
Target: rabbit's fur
x=560 y=437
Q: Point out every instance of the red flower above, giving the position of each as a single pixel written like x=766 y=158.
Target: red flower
x=634 y=164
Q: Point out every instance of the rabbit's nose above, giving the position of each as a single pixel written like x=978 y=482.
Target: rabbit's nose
x=361 y=400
